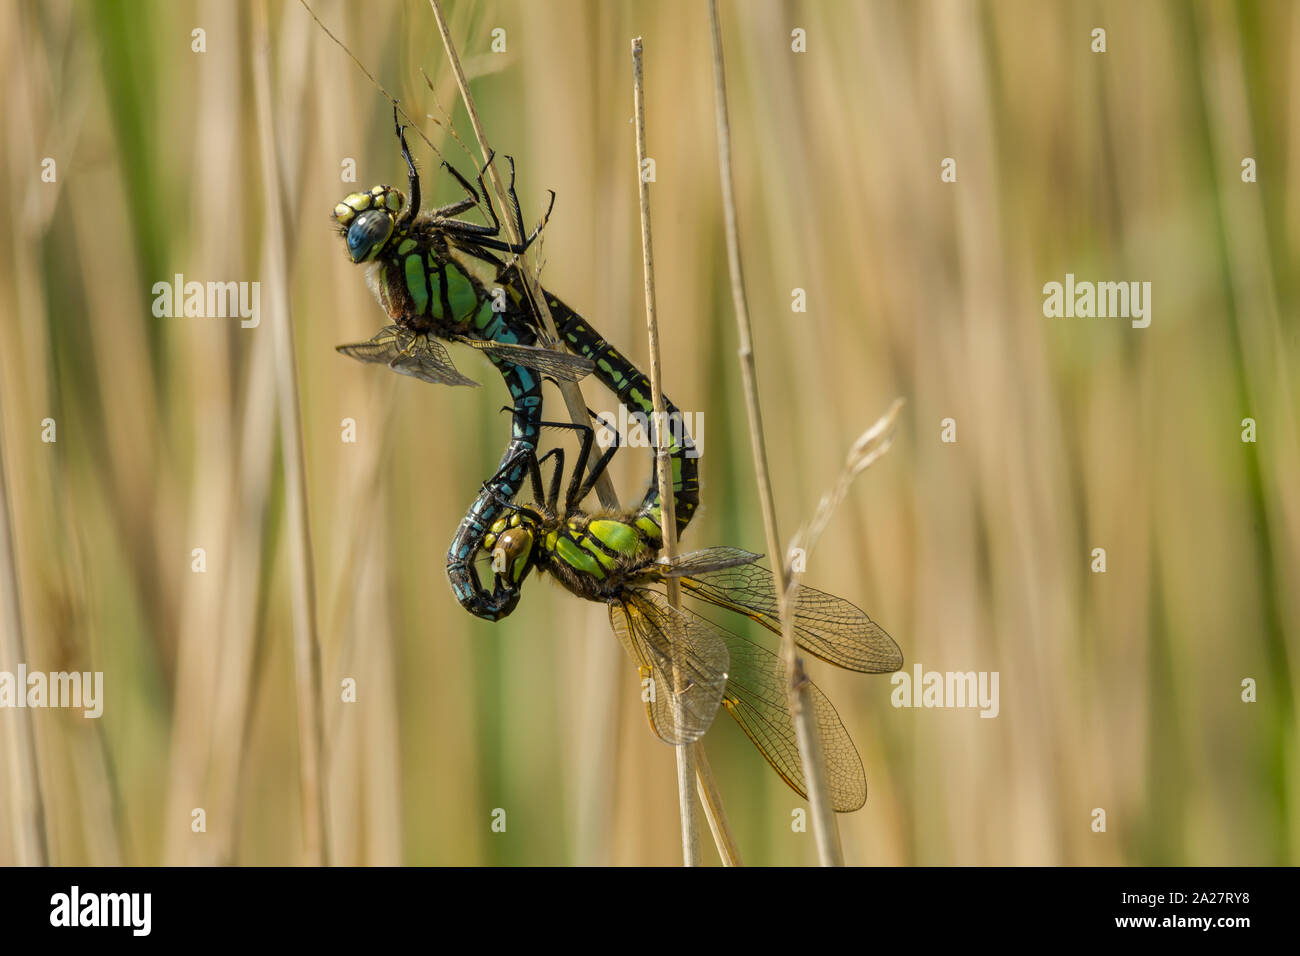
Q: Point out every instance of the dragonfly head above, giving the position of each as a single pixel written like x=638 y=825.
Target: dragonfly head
x=366 y=220
x=512 y=544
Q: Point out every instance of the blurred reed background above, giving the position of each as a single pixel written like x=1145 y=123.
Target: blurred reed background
x=1118 y=690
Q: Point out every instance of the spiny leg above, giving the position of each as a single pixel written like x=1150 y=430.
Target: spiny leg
x=579 y=489
x=456 y=208
x=514 y=199
x=484 y=236
x=491 y=491
x=557 y=475
x=471 y=196
x=601 y=464
x=499 y=245
x=413 y=178
x=460 y=225
x=519 y=214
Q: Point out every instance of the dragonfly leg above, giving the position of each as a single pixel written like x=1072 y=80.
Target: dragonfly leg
x=514 y=202
x=413 y=178
x=528 y=238
x=456 y=208
x=553 y=495
x=492 y=212
x=491 y=489
x=528 y=458
x=512 y=506
x=471 y=195
x=477 y=231
x=578 y=488
x=541 y=225
x=584 y=449
x=484 y=236
x=576 y=497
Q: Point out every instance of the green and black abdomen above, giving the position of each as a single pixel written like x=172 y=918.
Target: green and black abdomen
x=632 y=387
x=426 y=288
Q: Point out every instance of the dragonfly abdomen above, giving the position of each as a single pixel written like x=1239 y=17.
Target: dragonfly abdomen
x=633 y=389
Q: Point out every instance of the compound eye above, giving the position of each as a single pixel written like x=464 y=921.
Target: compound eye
x=512 y=555
x=368 y=232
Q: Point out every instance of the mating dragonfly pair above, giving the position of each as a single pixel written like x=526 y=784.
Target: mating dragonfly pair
x=442 y=279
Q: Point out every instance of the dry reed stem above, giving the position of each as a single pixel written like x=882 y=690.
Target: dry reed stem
x=663 y=472
x=799 y=687
x=714 y=812
x=570 y=391
x=26 y=802
x=26 y=91
x=306 y=647
x=870 y=446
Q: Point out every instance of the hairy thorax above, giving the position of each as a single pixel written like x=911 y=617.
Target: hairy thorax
x=426 y=284
x=595 y=557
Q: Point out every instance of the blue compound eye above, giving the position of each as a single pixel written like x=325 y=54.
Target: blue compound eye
x=368 y=232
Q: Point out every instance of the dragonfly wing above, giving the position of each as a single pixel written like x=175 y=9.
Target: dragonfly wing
x=560 y=365
x=382 y=348
x=756 y=698
x=826 y=626
x=409 y=353
x=429 y=361
x=684 y=658
x=709 y=559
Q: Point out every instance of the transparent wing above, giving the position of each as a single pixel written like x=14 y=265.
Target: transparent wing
x=709 y=559
x=560 y=365
x=409 y=353
x=684 y=658
x=756 y=698
x=826 y=626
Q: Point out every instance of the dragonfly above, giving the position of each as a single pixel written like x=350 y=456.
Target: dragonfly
x=444 y=279
x=435 y=276
x=689 y=665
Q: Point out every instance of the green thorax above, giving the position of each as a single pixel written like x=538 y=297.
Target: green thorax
x=425 y=283
x=593 y=556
